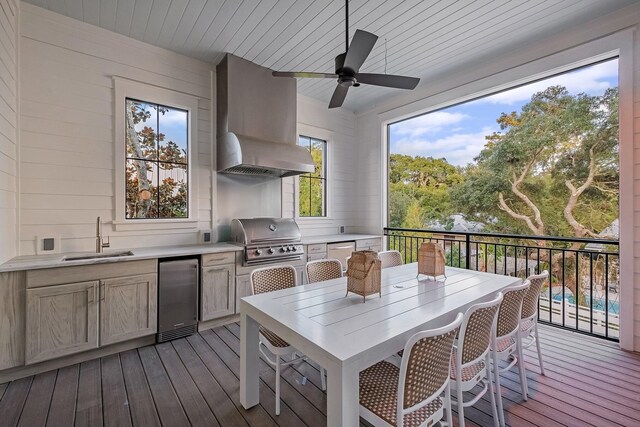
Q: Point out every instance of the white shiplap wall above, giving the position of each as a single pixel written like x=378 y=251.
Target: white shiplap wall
x=8 y=127
x=67 y=128
x=617 y=31
x=339 y=125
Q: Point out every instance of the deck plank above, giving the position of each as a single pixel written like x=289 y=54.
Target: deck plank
x=13 y=401
x=143 y=410
x=589 y=382
x=220 y=404
x=192 y=401
x=89 y=405
x=38 y=400
x=229 y=381
x=168 y=405
x=63 y=402
x=114 y=394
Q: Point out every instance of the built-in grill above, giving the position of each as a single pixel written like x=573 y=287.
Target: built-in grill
x=267 y=240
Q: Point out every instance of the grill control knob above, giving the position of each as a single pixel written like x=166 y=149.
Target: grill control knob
x=288 y=249
x=258 y=252
x=270 y=250
x=282 y=249
x=293 y=248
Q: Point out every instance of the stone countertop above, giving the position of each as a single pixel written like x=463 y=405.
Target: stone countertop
x=36 y=262
x=311 y=240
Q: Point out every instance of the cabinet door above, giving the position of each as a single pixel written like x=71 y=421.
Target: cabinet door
x=128 y=308
x=243 y=289
x=218 y=292
x=61 y=320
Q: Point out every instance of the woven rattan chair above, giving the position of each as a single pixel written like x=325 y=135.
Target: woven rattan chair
x=390 y=259
x=323 y=269
x=471 y=355
x=508 y=342
x=417 y=393
x=529 y=318
x=271 y=279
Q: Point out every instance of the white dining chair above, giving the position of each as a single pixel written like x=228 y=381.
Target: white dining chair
x=271 y=279
x=470 y=363
x=418 y=392
x=508 y=342
x=390 y=259
x=529 y=317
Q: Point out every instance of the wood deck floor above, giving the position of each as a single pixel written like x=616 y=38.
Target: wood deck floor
x=194 y=381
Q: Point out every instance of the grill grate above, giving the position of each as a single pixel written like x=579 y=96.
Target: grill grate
x=177 y=333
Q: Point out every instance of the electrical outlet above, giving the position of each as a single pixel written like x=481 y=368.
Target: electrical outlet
x=47 y=244
x=341 y=228
x=206 y=236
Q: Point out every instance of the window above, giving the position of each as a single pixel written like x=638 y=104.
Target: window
x=312 y=187
x=156 y=157
x=156 y=172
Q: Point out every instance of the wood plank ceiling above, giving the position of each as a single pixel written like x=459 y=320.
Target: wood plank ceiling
x=417 y=37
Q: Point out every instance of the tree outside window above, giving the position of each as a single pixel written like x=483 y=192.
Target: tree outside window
x=156 y=172
x=312 y=191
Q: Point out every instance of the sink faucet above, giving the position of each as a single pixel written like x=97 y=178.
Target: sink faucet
x=99 y=243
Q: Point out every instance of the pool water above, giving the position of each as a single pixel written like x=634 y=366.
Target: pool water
x=598 y=303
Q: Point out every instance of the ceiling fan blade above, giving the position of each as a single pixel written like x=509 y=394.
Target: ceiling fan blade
x=338 y=96
x=388 y=80
x=360 y=47
x=304 y=74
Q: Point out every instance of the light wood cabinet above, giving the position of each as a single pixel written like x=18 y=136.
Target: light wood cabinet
x=243 y=289
x=128 y=308
x=61 y=320
x=217 y=297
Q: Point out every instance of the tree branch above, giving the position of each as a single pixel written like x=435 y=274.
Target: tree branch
x=516 y=190
x=579 y=229
x=503 y=206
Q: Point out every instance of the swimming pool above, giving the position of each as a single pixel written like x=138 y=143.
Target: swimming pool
x=598 y=303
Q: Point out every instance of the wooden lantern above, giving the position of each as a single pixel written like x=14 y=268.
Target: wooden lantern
x=364 y=273
x=431 y=260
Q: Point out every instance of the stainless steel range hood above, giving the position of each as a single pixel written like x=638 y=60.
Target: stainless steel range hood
x=256 y=122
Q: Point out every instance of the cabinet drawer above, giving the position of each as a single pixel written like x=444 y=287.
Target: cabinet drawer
x=315 y=257
x=218 y=259
x=318 y=248
x=368 y=244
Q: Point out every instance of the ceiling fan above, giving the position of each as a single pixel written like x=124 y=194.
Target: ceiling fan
x=348 y=67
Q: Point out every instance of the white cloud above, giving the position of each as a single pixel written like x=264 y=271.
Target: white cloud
x=589 y=80
x=459 y=149
x=173 y=117
x=427 y=124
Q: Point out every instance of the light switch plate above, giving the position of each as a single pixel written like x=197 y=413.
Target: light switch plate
x=40 y=244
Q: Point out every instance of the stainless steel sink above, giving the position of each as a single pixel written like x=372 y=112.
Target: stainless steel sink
x=98 y=256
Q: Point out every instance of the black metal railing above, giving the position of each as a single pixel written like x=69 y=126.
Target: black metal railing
x=583 y=290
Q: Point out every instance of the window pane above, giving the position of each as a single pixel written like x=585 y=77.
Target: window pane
x=317 y=199
x=172 y=189
x=317 y=153
x=141 y=129
x=304 y=199
x=141 y=194
x=172 y=135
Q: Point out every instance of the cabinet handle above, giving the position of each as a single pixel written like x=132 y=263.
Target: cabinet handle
x=343 y=247
x=91 y=294
x=101 y=291
x=217 y=269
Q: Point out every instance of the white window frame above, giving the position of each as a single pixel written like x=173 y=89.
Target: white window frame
x=618 y=44
x=125 y=88
x=327 y=136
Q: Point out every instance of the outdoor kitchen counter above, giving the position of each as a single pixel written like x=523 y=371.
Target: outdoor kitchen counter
x=312 y=240
x=36 y=262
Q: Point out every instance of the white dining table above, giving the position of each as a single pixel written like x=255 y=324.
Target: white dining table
x=345 y=335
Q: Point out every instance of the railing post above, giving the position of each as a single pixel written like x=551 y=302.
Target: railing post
x=467 y=262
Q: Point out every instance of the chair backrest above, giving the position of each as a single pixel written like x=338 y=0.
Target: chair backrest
x=511 y=309
x=424 y=371
x=477 y=330
x=323 y=269
x=271 y=279
x=390 y=259
x=530 y=303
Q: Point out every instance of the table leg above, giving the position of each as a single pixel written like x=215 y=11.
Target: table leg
x=343 y=407
x=249 y=362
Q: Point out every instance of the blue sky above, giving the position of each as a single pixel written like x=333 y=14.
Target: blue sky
x=458 y=133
